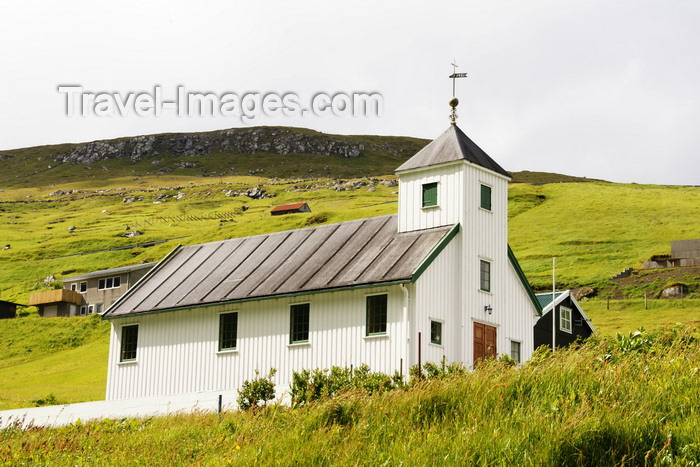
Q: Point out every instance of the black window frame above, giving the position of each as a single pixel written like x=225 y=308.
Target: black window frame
x=484 y=275
x=129 y=343
x=429 y=195
x=109 y=283
x=83 y=287
x=228 y=331
x=299 y=319
x=376 y=317
x=436 y=332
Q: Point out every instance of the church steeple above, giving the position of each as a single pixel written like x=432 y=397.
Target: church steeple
x=452 y=145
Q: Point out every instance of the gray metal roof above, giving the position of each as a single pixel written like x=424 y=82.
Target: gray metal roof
x=452 y=145
x=354 y=253
x=545 y=298
x=110 y=272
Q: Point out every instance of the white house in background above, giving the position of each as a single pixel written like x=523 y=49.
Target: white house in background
x=436 y=280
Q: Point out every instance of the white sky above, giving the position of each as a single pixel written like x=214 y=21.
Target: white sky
x=601 y=89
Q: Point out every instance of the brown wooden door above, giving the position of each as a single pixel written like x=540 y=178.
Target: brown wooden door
x=484 y=341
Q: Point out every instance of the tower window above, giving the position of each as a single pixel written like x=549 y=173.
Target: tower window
x=430 y=192
x=485 y=276
x=486 y=197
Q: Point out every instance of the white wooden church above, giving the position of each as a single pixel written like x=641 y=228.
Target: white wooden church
x=437 y=279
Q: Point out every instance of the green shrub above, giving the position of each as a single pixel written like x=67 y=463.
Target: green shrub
x=313 y=385
x=257 y=391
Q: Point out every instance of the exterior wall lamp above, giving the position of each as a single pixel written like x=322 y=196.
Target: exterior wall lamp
x=488 y=308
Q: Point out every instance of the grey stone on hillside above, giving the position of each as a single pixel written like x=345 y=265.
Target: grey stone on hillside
x=674 y=291
x=242 y=140
x=131 y=233
x=584 y=292
x=253 y=193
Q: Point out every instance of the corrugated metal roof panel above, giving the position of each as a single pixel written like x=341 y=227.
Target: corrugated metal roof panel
x=110 y=272
x=352 y=253
x=545 y=298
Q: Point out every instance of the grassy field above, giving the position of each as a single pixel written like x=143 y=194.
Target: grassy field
x=595 y=229
x=597 y=404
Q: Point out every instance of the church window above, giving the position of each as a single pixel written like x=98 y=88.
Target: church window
x=130 y=338
x=228 y=331
x=486 y=197
x=485 y=276
x=376 y=314
x=430 y=194
x=299 y=323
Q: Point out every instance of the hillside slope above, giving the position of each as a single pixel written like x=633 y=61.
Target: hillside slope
x=596 y=229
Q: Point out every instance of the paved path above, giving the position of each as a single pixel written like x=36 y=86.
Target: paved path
x=58 y=415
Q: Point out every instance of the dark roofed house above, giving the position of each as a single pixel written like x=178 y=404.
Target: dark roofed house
x=571 y=322
x=8 y=309
x=290 y=209
x=435 y=281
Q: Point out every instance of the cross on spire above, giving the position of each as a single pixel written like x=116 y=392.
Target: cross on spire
x=454 y=101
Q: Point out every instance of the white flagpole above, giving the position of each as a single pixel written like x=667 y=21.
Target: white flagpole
x=554 y=296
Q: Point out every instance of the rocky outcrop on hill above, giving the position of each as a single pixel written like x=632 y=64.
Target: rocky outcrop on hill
x=242 y=140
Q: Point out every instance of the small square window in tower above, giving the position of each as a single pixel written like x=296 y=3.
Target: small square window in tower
x=486 y=197
x=299 y=323
x=430 y=194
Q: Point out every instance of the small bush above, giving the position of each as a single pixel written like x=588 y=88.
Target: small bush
x=430 y=370
x=48 y=400
x=257 y=391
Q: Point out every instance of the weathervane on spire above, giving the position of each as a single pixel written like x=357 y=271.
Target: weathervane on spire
x=454 y=101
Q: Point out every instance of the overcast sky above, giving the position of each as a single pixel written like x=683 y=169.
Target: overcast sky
x=601 y=89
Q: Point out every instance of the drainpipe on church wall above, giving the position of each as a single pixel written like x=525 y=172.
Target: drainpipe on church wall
x=406 y=330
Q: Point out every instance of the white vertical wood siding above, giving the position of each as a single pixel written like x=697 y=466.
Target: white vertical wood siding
x=483 y=236
x=486 y=238
x=437 y=297
x=178 y=351
x=412 y=216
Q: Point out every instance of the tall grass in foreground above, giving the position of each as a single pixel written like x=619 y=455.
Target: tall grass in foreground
x=631 y=400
